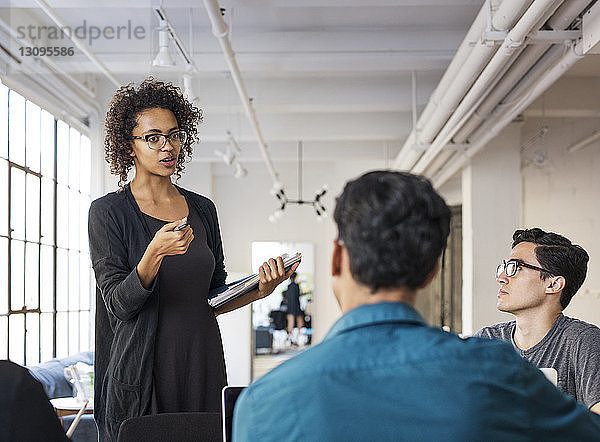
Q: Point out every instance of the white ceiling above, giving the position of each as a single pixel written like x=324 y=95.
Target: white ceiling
x=334 y=74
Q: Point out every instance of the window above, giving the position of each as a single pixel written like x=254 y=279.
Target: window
x=45 y=271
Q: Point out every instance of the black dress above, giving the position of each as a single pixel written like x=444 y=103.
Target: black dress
x=293 y=299
x=189 y=367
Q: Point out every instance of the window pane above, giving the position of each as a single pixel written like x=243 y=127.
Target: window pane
x=62 y=280
x=3 y=337
x=46 y=336
x=74 y=161
x=73 y=219
x=86 y=165
x=84 y=326
x=62 y=151
x=17 y=274
x=32 y=343
x=33 y=208
x=32 y=137
x=3 y=277
x=16 y=142
x=47 y=144
x=73 y=280
x=16 y=341
x=62 y=220
x=84 y=207
x=84 y=281
x=62 y=335
x=32 y=259
x=73 y=332
x=3 y=197
x=17 y=203
x=47 y=211
x=3 y=124
x=47 y=279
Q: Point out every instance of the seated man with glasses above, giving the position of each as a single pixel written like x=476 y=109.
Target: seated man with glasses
x=537 y=281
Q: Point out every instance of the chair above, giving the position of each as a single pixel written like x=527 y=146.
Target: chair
x=180 y=427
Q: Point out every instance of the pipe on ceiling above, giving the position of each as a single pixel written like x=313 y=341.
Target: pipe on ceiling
x=458 y=78
x=221 y=32
x=574 y=54
x=561 y=19
x=78 y=42
x=492 y=73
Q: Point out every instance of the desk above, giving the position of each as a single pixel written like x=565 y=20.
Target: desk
x=65 y=406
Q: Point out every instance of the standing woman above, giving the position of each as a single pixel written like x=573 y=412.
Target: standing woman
x=158 y=346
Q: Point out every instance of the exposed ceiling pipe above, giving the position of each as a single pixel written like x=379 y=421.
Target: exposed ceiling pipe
x=549 y=59
x=221 y=31
x=512 y=43
x=526 y=59
x=460 y=75
x=574 y=53
x=409 y=153
x=545 y=63
x=78 y=42
x=585 y=142
x=562 y=18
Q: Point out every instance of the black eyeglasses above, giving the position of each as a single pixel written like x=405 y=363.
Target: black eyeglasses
x=157 y=141
x=511 y=267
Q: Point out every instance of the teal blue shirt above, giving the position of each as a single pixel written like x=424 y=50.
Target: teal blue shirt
x=382 y=374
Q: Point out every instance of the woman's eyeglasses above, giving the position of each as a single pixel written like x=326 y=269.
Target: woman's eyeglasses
x=157 y=141
x=511 y=267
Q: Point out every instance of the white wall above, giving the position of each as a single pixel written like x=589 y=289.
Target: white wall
x=561 y=195
x=491 y=189
x=244 y=206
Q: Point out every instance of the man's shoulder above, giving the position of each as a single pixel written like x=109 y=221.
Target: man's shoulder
x=502 y=330
x=580 y=331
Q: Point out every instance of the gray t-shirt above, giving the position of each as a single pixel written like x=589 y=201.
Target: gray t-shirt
x=571 y=347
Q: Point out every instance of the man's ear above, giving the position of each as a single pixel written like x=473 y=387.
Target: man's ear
x=555 y=284
x=336 y=259
x=132 y=153
x=431 y=275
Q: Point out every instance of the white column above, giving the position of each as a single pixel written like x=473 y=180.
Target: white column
x=491 y=211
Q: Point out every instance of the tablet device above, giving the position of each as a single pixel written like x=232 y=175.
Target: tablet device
x=229 y=396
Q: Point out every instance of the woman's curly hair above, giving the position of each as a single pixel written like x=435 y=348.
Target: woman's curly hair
x=121 y=119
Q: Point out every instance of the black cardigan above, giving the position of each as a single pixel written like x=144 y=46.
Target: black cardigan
x=127 y=313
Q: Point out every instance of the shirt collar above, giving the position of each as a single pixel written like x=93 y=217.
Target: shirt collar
x=380 y=313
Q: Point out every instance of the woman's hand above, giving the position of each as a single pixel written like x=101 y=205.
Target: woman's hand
x=272 y=273
x=167 y=242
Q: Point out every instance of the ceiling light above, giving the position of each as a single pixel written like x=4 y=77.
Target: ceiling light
x=240 y=172
x=278 y=192
x=163 y=58
x=227 y=157
x=188 y=90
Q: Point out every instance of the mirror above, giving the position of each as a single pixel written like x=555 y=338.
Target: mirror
x=281 y=323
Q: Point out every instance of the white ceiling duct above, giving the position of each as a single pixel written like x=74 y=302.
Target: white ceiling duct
x=221 y=31
x=458 y=78
x=490 y=75
x=548 y=78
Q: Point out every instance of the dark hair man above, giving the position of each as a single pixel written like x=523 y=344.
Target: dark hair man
x=381 y=373
x=537 y=281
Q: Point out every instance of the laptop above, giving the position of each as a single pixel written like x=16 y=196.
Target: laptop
x=229 y=396
x=551 y=374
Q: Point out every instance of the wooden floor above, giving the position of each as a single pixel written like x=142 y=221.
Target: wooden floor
x=262 y=364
